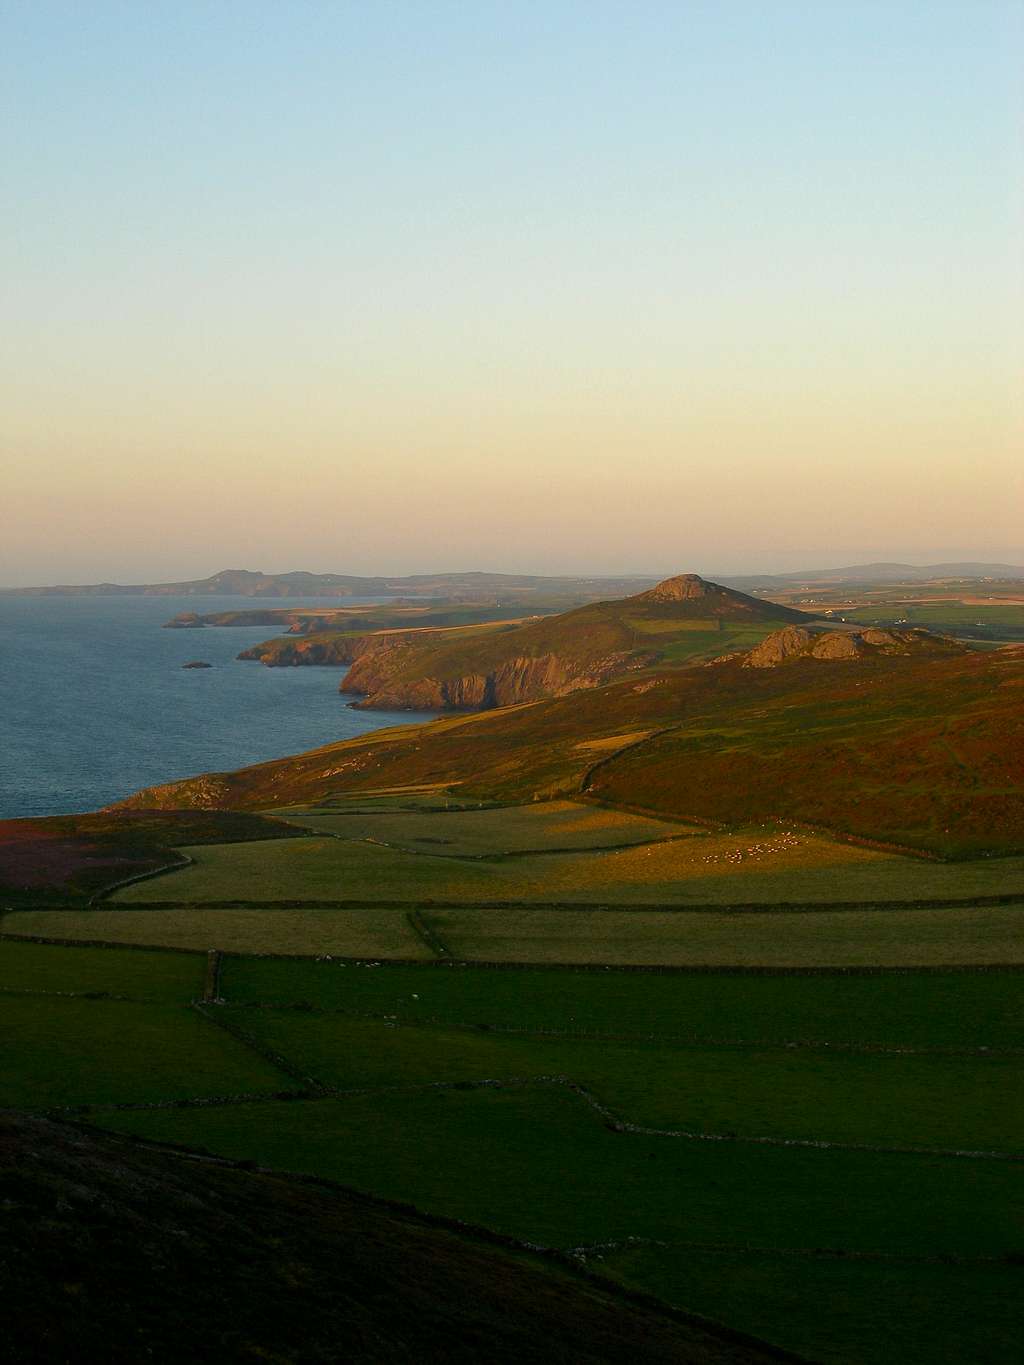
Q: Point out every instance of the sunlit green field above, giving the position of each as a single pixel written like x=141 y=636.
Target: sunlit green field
x=509 y=856
x=544 y=827
x=824 y=938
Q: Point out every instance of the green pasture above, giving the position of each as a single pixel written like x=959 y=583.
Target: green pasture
x=760 y=865
x=920 y=1010
x=707 y=643
x=805 y=1094
x=980 y=936
x=351 y=933
x=819 y=938
x=899 y=1255
x=538 y=1163
x=838 y=1309
x=72 y=1052
x=165 y=977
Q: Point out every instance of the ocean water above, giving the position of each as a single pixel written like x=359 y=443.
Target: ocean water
x=94 y=702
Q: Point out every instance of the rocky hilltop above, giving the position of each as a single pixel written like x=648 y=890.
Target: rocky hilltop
x=714 y=600
x=681 y=618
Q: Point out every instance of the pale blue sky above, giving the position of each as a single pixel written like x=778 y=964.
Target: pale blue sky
x=566 y=286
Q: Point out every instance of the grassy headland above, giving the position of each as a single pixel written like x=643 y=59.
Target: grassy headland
x=683 y=618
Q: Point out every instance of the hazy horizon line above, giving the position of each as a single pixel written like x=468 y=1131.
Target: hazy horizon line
x=649 y=573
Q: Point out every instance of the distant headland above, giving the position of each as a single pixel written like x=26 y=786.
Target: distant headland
x=473 y=584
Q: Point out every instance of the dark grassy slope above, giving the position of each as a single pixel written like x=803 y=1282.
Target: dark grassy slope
x=926 y=752
x=551 y=657
x=121 y=1253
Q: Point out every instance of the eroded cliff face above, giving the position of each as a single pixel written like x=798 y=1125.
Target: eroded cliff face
x=517 y=680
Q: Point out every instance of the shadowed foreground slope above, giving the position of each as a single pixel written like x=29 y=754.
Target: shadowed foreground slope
x=117 y=1252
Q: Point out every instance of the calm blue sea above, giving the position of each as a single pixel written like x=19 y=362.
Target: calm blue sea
x=94 y=702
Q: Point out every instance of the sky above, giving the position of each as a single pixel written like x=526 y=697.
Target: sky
x=542 y=286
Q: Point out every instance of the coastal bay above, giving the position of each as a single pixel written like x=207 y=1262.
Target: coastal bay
x=98 y=703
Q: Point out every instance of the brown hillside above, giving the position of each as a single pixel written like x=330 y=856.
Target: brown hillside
x=915 y=749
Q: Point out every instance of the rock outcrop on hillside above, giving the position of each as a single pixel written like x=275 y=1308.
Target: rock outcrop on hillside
x=803 y=642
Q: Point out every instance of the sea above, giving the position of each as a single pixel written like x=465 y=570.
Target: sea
x=95 y=703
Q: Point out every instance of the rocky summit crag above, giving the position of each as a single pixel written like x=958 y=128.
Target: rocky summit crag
x=713 y=598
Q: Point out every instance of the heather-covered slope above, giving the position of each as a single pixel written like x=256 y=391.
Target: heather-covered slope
x=921 y=748
x=117 y=1252
x=680 y=618
x=69 y=858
